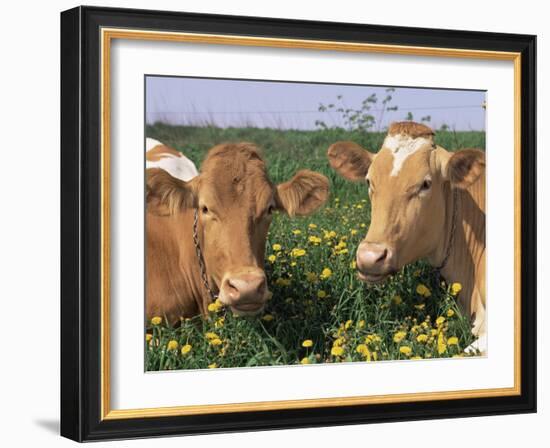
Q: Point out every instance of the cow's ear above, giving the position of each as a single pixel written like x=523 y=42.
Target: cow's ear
x=166 y=195
x=464 y=167
x=303 y=194
x=350 y=160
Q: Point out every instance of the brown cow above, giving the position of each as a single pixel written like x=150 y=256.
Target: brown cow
x=233 y=200
x=419 y=192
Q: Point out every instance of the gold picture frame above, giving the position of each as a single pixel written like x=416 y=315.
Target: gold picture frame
x=106 y=33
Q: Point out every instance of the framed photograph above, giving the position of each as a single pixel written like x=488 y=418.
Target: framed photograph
x=276 y=224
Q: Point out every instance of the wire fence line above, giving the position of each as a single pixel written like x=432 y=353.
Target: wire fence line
x=311 y=111
x=309 y=119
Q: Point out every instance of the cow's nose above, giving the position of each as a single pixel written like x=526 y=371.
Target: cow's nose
x=372 y=256
x=246 y=290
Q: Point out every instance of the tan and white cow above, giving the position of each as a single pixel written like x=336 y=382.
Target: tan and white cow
x=158 y=155
x=419 y=192
x=233 y=201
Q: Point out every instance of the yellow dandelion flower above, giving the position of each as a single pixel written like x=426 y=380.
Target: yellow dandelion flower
x=441 y=344
x=453 y=340
x=348 y=324
x=328 y=235
x=361 y=324
x=156 y=320
x=297 y=232
x=364 y=350
x=276 y=247
x=374 y=338
x=297 y=252
x=340 y=251
x=405 y=349
x=397 y=300
x=215 y=341
x=339 y=341
x=439 y=321
x=423 y=290
x=321 y=294
x=312 y=225
x=267 y=317
x=219 y=323
x=172 y=345
x=337 y=351
x=399 y=336
x=336 y=199
x=359 y=206
x=292 y=263
x=304 y=361
x=148 y=337
x=362 y=225
x=325 y=274
x=353 y=231
x=272 y=258
x=450 y=313
x=211 y=335
x=456 y=288
x=353 y=264
x=314 y=240
x=416 y=273
x=215 y=306
x=420 y=306
x=311 y=277
x=186 y=349
x=422 y=338
x=307 y=343
x=213 y=366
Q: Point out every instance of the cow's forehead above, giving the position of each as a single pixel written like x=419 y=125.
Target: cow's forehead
x=235 y=178
x=401 y=170
x=403 y=146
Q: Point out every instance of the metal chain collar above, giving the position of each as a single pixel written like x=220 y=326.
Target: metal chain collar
x=453 y=231
x=198 y=250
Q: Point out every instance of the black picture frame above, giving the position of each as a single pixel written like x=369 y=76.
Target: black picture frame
x=81 y=224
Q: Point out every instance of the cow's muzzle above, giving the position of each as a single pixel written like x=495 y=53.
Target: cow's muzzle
x=375 y=262
x=245 y=291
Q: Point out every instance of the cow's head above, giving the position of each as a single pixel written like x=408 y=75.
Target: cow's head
x=235 y=201
x=408 y=182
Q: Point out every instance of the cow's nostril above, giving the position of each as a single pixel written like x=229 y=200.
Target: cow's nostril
x=232 y=287
x=372 y=256
x=244 y=289
x=382 y=256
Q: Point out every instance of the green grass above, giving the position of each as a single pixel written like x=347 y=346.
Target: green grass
x=344 y=319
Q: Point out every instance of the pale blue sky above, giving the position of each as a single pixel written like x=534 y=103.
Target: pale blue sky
x=283 y=105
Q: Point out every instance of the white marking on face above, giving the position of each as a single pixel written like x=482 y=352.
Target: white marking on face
x=150 y=143
x=402 y=146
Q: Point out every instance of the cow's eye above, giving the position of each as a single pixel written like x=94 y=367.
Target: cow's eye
x=204 y=209
x=426 y=185
x=370 y=186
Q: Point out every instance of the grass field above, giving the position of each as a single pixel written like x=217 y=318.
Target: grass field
x=319 y=311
